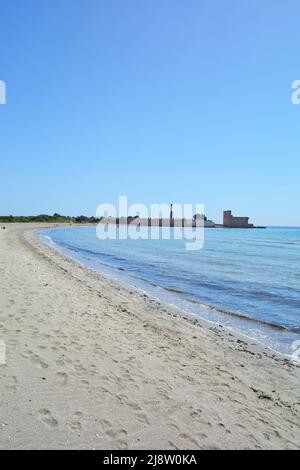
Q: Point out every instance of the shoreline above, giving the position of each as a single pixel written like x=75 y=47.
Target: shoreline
x=106 y=366
x=128 y=282
x=35 y=240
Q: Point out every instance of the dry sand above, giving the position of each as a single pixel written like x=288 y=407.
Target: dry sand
x=92 y=363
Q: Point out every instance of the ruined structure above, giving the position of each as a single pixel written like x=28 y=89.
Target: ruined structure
x=235 y=222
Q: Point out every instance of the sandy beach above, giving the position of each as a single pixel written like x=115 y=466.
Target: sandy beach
x=92 y=363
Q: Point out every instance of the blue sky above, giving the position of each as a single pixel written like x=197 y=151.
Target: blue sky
x=163 y=100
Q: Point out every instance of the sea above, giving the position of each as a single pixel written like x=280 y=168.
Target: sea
x=247 y=280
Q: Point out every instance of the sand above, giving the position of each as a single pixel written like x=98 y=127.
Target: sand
x=92 y=363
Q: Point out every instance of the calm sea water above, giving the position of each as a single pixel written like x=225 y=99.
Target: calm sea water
x=246 y=280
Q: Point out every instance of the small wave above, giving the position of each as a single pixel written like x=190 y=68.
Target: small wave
x=50 y=240
x=238 y=315
x=214 y=308
x=255 y=320
x=223 y=311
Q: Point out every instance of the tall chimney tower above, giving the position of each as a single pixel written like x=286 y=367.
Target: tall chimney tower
x=171 y=212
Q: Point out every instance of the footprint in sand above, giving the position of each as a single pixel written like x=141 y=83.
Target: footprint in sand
x=11 y=383
x=36 y=359
x=61 y=378
x=190 y=441
x=142 y=418
x=75 y=423
x=118 y=436
x=46 y=417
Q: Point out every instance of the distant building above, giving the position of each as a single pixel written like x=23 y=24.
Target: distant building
x=202 y=220
x=209 y=223
x=235 y=222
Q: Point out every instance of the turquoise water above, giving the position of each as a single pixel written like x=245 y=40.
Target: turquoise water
x=246 y=280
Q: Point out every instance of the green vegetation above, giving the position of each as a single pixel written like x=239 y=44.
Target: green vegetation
x=55 y=218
